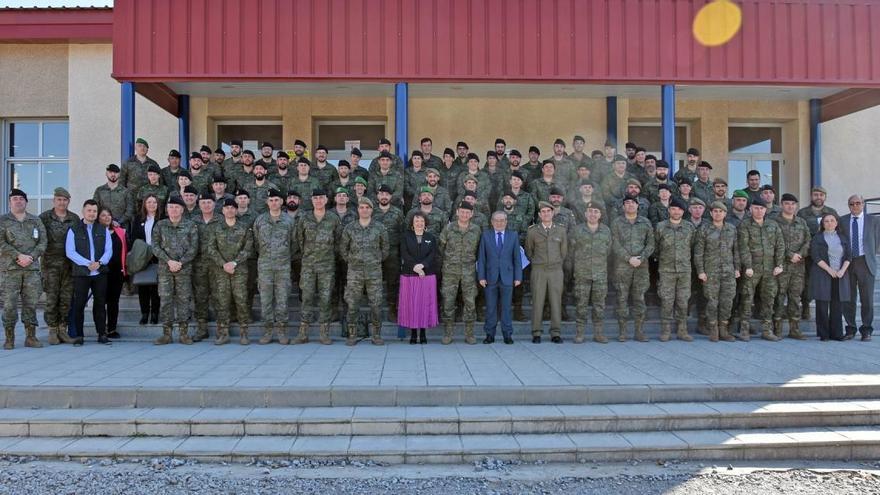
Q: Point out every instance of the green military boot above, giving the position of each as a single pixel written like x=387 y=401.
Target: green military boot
x=744 y=334
x=201 y=331
x=448 y=330
x=352 y=335
x=165 y=338
x=621 y=330
x=794 y=331
x=682 y=332
x=469 y=338
x=640 y=335
x=30 y=339
x=377 y=334
x=62 y=335
x=713 y=331
x=767 y=331
x=222 y=335
x=777 y=329
x=324 y=334
x=302 y=336
x=183 y=335
x=243 y=335
x=724 y=333
x=665 y=331
x=10 y=339
x=267 y=334
x=53 y=336
x=281 y=329
x=579 y=334
x=598 y=333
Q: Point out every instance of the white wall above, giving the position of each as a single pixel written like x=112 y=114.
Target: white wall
x=849 y=157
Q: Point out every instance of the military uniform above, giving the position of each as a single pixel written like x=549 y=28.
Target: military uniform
x=437 y=220
x=365 y=248
x=304 y=188
x=658 y=212
x=393 y=222
x=761 y=248
x=612 y=187
x=274 y=241
x=178 y=242
x=674 y=243
x=315 y=241
x=202 y=180
x=442 y=199
x=704 y=191
x=168 y=176
x=484 y=184
x=413 y=180
x=230 y=243
x=790 y=282
x=392 y=179
x=651 y=189
x=282 y=182
x=202 y=276
x=28 y=237
x=547 y=248
x=716 y=253
x=57 y=277
x=540 y=189
x=631 y=238
x=326 y=175
x=133 y=173
x=459 y=250
x=118 y=201
x=158 y=190
x=590 y=276
x=449 y=176
x=259 y=193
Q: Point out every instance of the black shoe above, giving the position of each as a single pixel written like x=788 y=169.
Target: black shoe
x=849 y=336
x=824 y=339
x=556 y=339
x=102 y=339
x=508 y=339
x=422 y=338
x=412 y=337
x=489 y=339
x=113 y=334
x=78 y=342
x=536 y=339
x=144 y=318
x=866 y=337
x=154 y=318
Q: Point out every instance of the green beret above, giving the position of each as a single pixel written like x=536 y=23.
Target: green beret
x=431 y=170
x=60 y=192
x=634 y=182
x=697 y=201
x=719 y=205
x=739 y=193
x=343 y=190
x=426 y=189
x=360 y=180
x=141 y=141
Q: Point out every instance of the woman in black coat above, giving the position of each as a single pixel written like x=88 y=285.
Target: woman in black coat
x=829 y=279
x=418 y=284
x=148 y=295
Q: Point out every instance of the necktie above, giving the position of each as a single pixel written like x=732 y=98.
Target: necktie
x=855 y=237
x=498 y=240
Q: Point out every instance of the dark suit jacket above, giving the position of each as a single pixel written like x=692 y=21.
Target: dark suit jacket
x=820 y=281
x=870 y=238
x=499 y=267
x=414 y=253
x=137 y=232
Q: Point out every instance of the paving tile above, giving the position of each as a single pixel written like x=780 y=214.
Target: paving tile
x=382 y=445
x=210 y=446
x=95 y=446
x=264 y=445
x=312 y=445
x=438 y=444
x=588 y=442
x=39 y=446
x=653 y=440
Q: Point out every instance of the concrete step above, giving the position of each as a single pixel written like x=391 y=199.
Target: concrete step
x=464 y=420
x=838 y=443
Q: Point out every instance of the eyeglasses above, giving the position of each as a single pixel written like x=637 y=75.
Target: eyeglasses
x=855 y=203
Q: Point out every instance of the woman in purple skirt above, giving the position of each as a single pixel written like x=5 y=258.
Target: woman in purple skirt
x=417 y=305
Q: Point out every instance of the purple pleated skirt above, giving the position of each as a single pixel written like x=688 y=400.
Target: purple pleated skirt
x=417 y=304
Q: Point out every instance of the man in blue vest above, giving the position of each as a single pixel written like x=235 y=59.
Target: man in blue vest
x=89 y=248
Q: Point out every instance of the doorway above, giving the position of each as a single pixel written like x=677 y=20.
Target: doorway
x=754 y=147
x=251 y=133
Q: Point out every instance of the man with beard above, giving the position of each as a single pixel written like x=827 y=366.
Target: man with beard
x=501 y=154
x=429 y=160
x=630 y=149
x=739 y=208
x=387 y=175
x=172 y=170
x=205 y=151
x=719 y=193
x=281 y=175
x=201 y=178
x=299 y=149
x=690 y=168
x=534 y=165
x=218 y=188
x=437 y=218
x=613 y=184
x=266 y=150
x=515 y=165
x=346 y=215
x=243 y=173
x=565 y=170
x=578 y=157
x=115 y=197
x=344 y=178
x=462 y=151
x=231 y=164
x=392 y=218
x=812 y=214
x=441 y=195
x=304 y=183
x=356 y=169
x=216 y=162
x=293 y=211
x=633 y=188
x=396 y=164
x=134 y=170
x=322 y=169
x=259 y=188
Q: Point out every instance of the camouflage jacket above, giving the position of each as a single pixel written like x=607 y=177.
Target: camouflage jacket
x=632 y=239
x=229 y=243
x=393 y=222
x=674 y=244
x=274 y=240
x=797 y=237
x=25 y=237
x=716 y=250
x=178 y=242
x=316 y=241
x=204 y=233
x=118 y=200
x=590 y=251
x=459 y=248
x=133 y=173
x=56 y=236
x=364 y=248
x=392 y=179
x=761 y=247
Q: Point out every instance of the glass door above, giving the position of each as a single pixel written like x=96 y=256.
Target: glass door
x=754 y=147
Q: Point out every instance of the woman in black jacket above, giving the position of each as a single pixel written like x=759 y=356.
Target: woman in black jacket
x=115 y=270
x=148 y=295
x=417 y=304
x=829 y=280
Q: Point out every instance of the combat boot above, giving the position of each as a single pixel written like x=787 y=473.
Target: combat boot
x=10 y=339
x=352 y=335
x=324 y=334
x=302 y=336
x=767 y=331
x=665 y=331
x=201 y=331
x=598 y=333
x=243 y=335
x=518 y=313
x=794 y=331
x=30 y=339
x=777 y=329
x=469 y=338
x=267 y=334
x=448 y=330
x=579 y=334
x=281 y=329
x=744 y=334
x=53 y=336
x=62 y=335
x=222 y=335
x=377 y=334
x=723 y=333
x=183 y=336
x=621 y=330
x=703 y=326
x=682 y=332
x=392 y=313
x=713 y=331
x=165 y=338
x=640 y=335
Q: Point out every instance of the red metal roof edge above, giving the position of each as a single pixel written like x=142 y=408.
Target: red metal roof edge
x=67 y=24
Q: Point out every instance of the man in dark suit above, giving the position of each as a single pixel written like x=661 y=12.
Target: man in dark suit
x=863 y=232
x=499 y=267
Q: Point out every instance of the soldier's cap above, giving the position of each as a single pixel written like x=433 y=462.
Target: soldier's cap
x=548 y=161
x=789 y=197
x=365 y=201
x=663 y=187
x=630 y=145
x=236 y=142
x=767 y=187
x=385 y=154
x=206 y=196
x=609 y=143
x=194 y=154
x=470 y=177
x=360 y=180
x=544 y=204
x=275 y=193
x=704 y=164
x=651 y=157
x=190 y=189
x=819 y=189
x=719 y=205
x=242 y=192
x=473 y=156
x=432 y=170
x=491 y=154
x=18 y=192
x=230 y=202
x=464 y=205
x=662 y=164
x=559 y=141
x=556 y=191
x=155 y=169
x=321 y=147
x=293 y=192
x=639 y=149
x=384 y=141
x=176 y=154
x=518 y=175
x=633 y=182
x=205 y=148
x=248 y=152
x=60 y=192
x=739 y=193
x=515 y=153
x=619 y=158
x=343 y=163
x=416 y=153
x=500 y=141
x=426 y=189
x=593 y=205
x=535 y=150
x=759 y=202
x=319 y=192
x=685 y=180
x=631 y=197
x=587 y=182
x=282 y=154
x=185 y=173
x=267 y=144
x=578 y=137
x=584 y=165
x=461 y=144
x=596 y=153
x=305 y=160
x=220 y=151
x=341 y=190
x=385 y=188
x=678 y=203
x=693 y=151
x=142 y=141
x=697 y=201
x=719 y=180
x=300 y=142
x=113 y=168
x=176 y=200
x=448 y=152
x=470 y=194
x=509 y=192
x=356 y=152
x=261 y=164
x=219 y=178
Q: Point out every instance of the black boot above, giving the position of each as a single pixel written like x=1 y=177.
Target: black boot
x=144 y=318
x=412 y=336
x=422 y=338
x=154 y=317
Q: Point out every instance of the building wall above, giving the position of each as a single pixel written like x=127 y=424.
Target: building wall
x=33 y=81
x=849 y=147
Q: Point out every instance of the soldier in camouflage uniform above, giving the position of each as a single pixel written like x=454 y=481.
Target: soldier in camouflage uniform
x=437 y=218
x=414 y=177
x=632 y=187
x=442 y=200
x=243 y=173
x=22 y=242
x=703 y=186
x=115 y=197
x=153 y=186
x=450 y=169
x=659 y=210
x=797 y=239
x=315 y=240
x=385 y=175
x=304 y=183
x=322 y=169
x=633 y=242
x=689 y=171
x=175 y=244
x=652 y=187
x=392 y=218
x=134 y=171
x=458 y=246
x=282 y=174
x=274 y=241
x=229 y=247
x=614 y=182
x=674 y=240
x=540 y=186
x=258 y=186
x=484 y=182
x=497 y=174
x=762 y=251
x=479 y=218
x=203 y=269
x=592 y=243
x=517 y=222
x=396 y=163
x=57 y=276
x=716 y=261
x=812 y=214
x=346 y=214
x=364 y=244
x=202 y=177
x=172 y=171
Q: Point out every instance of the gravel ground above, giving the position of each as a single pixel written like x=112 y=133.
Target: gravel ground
x=169 y=476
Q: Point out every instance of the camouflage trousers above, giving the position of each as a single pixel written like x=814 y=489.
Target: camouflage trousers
x=764 y=286
x=175 y=292
x=788 y=296
x=24 y=283
x=631 y=284
x=449 y=287
x=58 y=284
x=391 y=276
x=590 y=293
x=274 y=283
x=316 y=281
x=675 y=290
x=359 y=280
x=720 y=292
x=202 y=284
x=230 y=295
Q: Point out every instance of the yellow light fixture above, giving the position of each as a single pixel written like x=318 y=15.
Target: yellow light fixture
x=717 y=22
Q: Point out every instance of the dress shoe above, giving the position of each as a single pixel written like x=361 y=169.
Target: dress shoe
x=113 y=335
x=489 y=339
x=78 y=342
x=848 y=336
x=556 y=339
x=145 y=317
x=866 y=337
x=536 y=339
x=508 y=339
x=102 y=339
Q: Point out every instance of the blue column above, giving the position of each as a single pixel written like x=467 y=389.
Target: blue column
x=183 y=128
x=815 y=142
x=667 y=119
x=611 y=119
x=401 y=119
x=127 y=106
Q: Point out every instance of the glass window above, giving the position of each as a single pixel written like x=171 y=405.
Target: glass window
x=35 y=161
x=754 y=139
x=650 y=137
x=24 y=139
x=55 y=140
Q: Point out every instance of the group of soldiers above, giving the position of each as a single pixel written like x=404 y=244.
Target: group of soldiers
x=240 y=225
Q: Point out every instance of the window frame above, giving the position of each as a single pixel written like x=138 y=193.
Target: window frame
x=681 y=158
x=6 y=177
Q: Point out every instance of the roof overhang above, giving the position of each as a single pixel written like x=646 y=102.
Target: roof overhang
x=62 y=25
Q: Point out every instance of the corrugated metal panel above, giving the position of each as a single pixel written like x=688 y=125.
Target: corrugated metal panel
x=821 y=42
x=63 y=25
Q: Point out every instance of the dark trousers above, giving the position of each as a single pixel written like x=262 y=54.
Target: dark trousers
x=81 y=287
x=148 y=296
x=114 y=290
x=861 y=280
x=498 y=295
x=829 y=320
